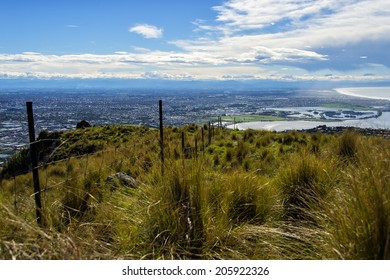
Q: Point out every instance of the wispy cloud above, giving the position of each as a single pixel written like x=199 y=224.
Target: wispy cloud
x=148 y=31
x=299 y=23
x=71 y=26
x=294 y=31
x=239 y=15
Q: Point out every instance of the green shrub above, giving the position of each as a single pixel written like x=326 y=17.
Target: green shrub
x=17 y=164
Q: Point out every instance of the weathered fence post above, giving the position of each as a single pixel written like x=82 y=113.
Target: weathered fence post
x=161 y=136
x=34 y=163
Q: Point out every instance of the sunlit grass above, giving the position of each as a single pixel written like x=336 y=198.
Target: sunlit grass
x=248 y=195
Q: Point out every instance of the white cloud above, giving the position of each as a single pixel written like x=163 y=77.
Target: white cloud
x=30 y=53
x=297 y=23
x=161 y=65
x=148 y=31
x=280 y=31
x=264 y=55
x=140 y=49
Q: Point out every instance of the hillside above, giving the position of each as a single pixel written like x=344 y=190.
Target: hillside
x=237 y=195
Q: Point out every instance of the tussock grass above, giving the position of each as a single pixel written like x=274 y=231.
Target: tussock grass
x=248 y=195
x=359 y=215
x=304 y=181
x=348 y=145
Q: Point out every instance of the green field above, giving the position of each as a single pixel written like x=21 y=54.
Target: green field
x=341 y=106
x=251 y=118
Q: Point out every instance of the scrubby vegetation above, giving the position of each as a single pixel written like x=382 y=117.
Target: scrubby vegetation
x=246 y=195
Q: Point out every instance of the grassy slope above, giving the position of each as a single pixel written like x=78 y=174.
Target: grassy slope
x=248 y=195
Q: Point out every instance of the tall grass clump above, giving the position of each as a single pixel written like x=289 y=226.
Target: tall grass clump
x=360 y=213
x=348 y=145
x=174 y=226
x=250 y=199
x=304 y=181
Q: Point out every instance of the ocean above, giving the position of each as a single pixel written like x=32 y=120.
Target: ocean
x=367 y=92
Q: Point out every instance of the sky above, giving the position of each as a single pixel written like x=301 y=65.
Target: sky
x=221 y=40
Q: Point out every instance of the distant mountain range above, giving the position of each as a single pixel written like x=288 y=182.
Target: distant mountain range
x=164 y=84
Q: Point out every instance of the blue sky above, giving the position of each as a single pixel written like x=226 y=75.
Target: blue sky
x=285 y=40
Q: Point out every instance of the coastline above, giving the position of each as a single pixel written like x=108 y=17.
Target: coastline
x=382 y=93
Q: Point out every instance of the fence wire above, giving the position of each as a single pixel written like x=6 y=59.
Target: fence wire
x=63 y=176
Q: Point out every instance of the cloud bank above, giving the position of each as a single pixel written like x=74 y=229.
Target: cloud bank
x=294 y=40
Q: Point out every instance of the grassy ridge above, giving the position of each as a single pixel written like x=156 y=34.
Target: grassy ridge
x=247 y=195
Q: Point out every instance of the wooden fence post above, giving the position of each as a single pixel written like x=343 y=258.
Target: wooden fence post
x=161 y=136
x=34 y=163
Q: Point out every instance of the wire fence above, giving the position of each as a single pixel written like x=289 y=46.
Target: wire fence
x=64 y=175
x=77 y=175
